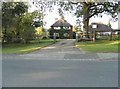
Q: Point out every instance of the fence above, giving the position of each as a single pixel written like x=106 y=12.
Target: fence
x=93 y=37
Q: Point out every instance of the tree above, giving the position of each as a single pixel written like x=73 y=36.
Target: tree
x=88 y=9
x=61 y=13
x=85 y=9
x=11 y=12
x=19 y=10
x=27 y=30
x=37 y=22
x=6 y=18
x=44 y=6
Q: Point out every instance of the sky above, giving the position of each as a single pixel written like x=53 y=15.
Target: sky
x=50 y=18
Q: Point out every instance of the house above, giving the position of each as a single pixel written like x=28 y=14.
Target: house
x=101 y=29
x=116 y=31
x=62 y=29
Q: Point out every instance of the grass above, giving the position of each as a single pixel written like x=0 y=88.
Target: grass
x=19 y=48
x=103 y=46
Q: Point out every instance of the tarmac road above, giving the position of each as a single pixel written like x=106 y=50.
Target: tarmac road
x=60 y=65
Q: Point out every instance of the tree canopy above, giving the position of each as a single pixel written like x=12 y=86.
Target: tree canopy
x=85 y=8
x=17 y=22
x=11 y=12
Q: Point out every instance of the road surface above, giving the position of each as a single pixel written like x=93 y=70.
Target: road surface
x=60 y=65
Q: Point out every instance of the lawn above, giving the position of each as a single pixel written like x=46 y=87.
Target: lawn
x=103 y=46
x=16 y=48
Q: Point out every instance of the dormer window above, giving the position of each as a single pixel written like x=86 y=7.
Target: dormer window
x=94 y=26
x=57 y=28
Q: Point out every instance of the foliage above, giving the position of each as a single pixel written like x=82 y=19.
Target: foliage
x=62 y=31
x=77 y=29
x=37 y=20
x=38 y=31
x=17 y=22
x=116 y=37
x=88 y=9
x=109 y=24
x=28 y=31
x=6 y=18
x=43 y=7
x=37 y=24
x=11 y=12
x=61 y=14
x=85 y=8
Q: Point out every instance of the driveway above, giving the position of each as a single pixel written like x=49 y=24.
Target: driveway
x=60 y=65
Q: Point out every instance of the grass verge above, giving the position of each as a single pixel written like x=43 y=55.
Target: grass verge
x=19 y=48
x=103 y=46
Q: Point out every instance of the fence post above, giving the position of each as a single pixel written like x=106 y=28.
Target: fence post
x=77 y=37
x=94 y=36
x=111 y=35
x=54 y=36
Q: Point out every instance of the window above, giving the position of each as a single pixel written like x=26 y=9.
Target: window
x=66 y=35
x=57 y=28
x=57 y=34
x=94 y=26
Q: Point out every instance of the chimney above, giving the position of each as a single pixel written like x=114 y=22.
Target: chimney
x=56 y=19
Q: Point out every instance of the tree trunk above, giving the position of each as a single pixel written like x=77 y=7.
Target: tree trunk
x=18 y=37
x=18 y=33
x=86 y=19
x=5 y=35
x=85 y=27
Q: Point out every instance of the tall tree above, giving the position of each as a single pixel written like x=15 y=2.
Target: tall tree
x=88 y=9
x=11 y=12
x=6 y=18
x=85 y=9
x=27 y=30
x=19 y=10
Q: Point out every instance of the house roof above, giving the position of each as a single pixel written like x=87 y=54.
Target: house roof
x=100 y=27
x=115 y=30
x=60 y=23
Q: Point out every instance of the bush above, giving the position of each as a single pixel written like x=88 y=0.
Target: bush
x=116 y=37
